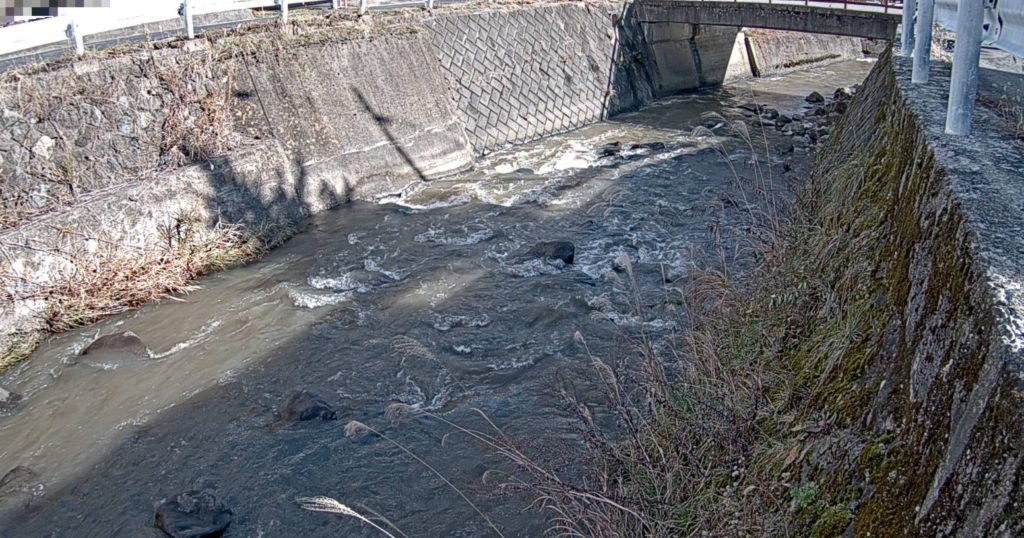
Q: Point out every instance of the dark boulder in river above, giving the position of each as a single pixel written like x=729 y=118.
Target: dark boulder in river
x=126 y=343
x=554 y=250
x=193 y=514
x=307 y=406
x=815 y=98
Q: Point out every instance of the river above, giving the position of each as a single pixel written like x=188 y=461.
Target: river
x=429 y=299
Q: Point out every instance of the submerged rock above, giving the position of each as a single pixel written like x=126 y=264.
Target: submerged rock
x=815 y=97
x=612 y=149
x=304 y=406
x=125 y=343
x=17 y=479
x=554 y=250
x=193 y=514
x=8 y=400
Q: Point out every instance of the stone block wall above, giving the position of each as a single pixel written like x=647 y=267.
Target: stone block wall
x=518 y=75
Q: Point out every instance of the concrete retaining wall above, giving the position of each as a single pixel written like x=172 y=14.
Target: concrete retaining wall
x=520 y=75
x=772 y=52
x=923 y=233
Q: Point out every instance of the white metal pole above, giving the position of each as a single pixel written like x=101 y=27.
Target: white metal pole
x=75 y=34
x=963 y=87
x=186 y=11
x=284 y=11
x=907 y=37
x=362 y=7
x=430 y=4
x=335 y=4
x=923 y=41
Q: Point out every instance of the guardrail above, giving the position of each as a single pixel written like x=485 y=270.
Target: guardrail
x=82 y=22
x=894 y=7
x=1003 y=22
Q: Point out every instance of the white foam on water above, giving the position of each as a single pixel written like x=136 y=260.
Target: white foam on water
x=310 y=300
x=204 y=332
x=447 y=322
x=468 y=237
x=344 y=282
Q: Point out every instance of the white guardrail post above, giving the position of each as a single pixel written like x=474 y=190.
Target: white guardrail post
x=186 y=12
x=907 y=35
x=284 y=11
x=430 y=4
x=362 y=7
x=75 y=34
x=923 y=41
x=963 y=86
x=335 y=4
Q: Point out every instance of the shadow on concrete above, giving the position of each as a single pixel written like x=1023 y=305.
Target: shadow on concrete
x=384 y=122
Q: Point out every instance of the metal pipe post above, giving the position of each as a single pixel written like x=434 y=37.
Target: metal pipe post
x=186 y=12
x=335 y=4
x=923 y=41
x=963 y=86
x=907 y=37
x=362 y=7
x=75 y=34
x=430 y=4
x=284 y=11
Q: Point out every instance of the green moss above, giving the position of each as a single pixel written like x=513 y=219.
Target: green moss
x=832 y=522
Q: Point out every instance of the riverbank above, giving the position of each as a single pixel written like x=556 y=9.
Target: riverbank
x=867 y=380
x=111 y=160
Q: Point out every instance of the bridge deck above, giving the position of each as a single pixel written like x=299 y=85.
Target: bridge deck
x=862 y=19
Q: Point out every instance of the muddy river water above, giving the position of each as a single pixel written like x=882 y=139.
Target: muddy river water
x=430 y=299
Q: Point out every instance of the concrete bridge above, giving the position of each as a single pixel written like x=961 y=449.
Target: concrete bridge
x=877 y=21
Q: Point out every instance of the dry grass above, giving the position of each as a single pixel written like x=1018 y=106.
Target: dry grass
x=1007 y=110
x=89 y=288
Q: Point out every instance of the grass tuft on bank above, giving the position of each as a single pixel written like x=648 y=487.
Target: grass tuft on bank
x=94 y=286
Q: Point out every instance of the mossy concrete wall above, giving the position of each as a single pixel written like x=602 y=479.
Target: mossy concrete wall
x=923 y=249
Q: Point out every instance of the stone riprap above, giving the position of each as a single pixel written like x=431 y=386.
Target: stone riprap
x=108 y=155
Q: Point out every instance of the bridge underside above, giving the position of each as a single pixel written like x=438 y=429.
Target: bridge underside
x=773 y=16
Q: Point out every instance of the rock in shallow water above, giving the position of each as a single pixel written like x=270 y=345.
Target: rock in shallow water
x=17 y=479
x=193 y=514
x=815 y=97
x=126 y=343
x=307 y=406
x=554 y=250
x=8 y=400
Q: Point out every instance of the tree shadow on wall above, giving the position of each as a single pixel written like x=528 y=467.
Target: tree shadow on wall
x=384 y=123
